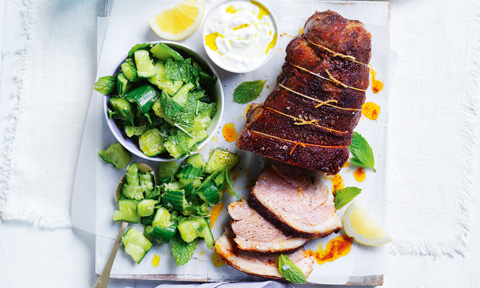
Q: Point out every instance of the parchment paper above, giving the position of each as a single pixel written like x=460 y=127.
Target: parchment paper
x=124 y=31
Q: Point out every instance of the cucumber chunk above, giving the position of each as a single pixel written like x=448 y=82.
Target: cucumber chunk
x=132 y=188
x=175 y=199
x=145 y=68
x=151 y=142
x=163 y=218
x=129 y=70
x=166 y=171
x=127 y=211
x=164 y=84
x=191 y=169
x=142 y=46
x=146 y=207
x=145 y=96
x=116 y=155
x=219 y=158
x=196 y=227
x=161 y=234
x=163 y=52
x=146 y=182
x=131 y=131
x=202 y=121
x=123 y=108
x=136 y=245
x=181 y=96
x=122 y=84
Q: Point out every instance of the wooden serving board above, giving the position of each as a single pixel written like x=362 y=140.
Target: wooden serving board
x=126 y=29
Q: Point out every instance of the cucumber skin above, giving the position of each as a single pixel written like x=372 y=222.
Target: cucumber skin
x=163 y=52
x=135 y=239
x=220 y=158
x=145 y=68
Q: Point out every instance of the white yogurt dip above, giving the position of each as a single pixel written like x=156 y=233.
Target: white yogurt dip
x=240 y=36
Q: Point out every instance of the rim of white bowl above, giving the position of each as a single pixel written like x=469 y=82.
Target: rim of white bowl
x=229 y=69
x=129 y=144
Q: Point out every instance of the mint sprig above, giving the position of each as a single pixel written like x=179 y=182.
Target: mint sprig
x=248 y=91
x=290 y=271
x=183 y=251
x=362 y=152
x=344 y=196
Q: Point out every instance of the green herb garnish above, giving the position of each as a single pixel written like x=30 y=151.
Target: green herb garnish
x=182 y=70
x=183 y=251
x=248 y=91
x=290 y=271
x=106 y=84
x=362 y=152
x=342 y=197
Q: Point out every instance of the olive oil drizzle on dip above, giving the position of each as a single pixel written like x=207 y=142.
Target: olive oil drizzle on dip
x=240 y=34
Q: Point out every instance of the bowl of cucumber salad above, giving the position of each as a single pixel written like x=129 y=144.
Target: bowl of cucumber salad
x=163 y=101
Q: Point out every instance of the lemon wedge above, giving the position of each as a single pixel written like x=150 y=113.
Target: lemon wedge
x=358 y=224
x=179 y=21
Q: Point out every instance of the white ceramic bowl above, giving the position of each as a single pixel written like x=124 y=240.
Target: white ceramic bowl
x=211 y=53
x=217 y=95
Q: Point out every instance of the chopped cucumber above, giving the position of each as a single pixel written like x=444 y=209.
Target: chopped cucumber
x=132 y=189
x=163 y=218
x=131 y=131
x=136 y=245
x=181 y=96
x=145 y=68
x=129 y=70
x=202 y=121
x=173 y=186
x=196 y=227
x=189 y=230
x=175 y=199
x=116 y=155
x=122 y=84
x=146 y=181
x=142 y=46
x=164 y=84
x=191 y=168
x=166 y=171
x=151 y=142
x=145 y=96
x=123 y=108
x=146 y=207
x=220 y=158
x=127 y=211
x=163 y=52
x=162 y=234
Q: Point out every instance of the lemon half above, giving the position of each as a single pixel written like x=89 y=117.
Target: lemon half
x=358 y=224
x=179 y=21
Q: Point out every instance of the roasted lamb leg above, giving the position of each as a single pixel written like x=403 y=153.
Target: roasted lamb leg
x=308 y=119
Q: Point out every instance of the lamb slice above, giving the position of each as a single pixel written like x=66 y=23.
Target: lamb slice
x=255 y=233
x=264 y=265
x=295 y=200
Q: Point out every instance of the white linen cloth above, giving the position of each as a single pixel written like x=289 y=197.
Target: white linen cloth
x=432 y=115
x=55 y=80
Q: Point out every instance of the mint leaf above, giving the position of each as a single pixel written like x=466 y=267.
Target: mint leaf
x=248 y=91
x=345 y=195
x=182 y=70
x=183 y=251
x=105 y=85
x=290 y=271
x=362 y=152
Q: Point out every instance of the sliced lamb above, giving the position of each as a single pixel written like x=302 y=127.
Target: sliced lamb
x=254 y=233
x=295 y=200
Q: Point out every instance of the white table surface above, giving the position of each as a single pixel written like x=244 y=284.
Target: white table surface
x=32 y=257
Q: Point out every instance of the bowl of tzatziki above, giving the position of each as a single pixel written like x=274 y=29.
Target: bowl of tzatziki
x=240 y=35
